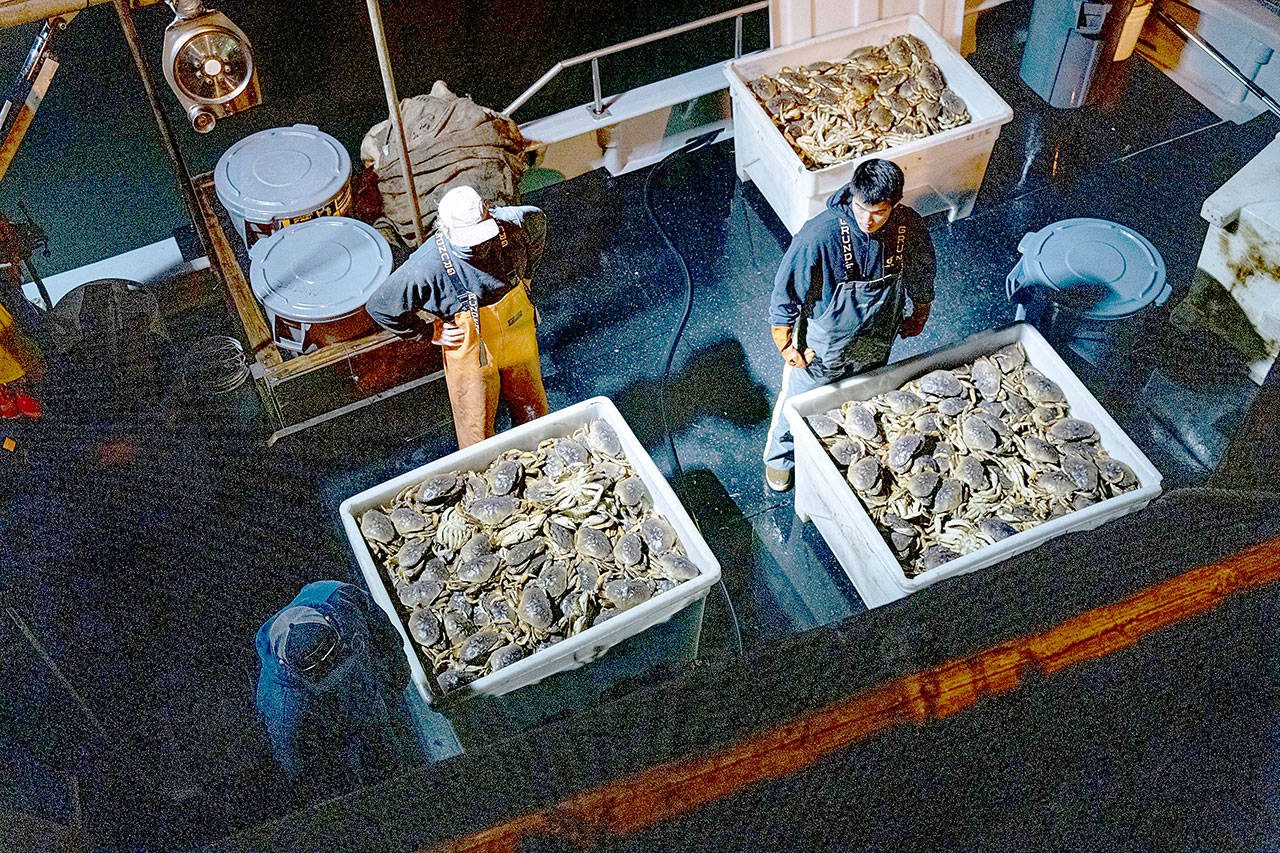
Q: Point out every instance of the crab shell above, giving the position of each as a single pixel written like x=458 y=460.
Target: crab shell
x=424 y=627
x=591 y=542
x=535 y=607
x=438 y=488
x=492 y=511
x=657 y=534
x=504 y=476
x=941 y=383
x=824 y=426
x=626 y=593
x=677 y=566
x=554 y=579
x=629 y=549
x=1040 y=388
x=476 y=648
x=377 y=527
x=602 y=438
x=864 y=475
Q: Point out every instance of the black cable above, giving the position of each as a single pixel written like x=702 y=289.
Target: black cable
x=692 y=145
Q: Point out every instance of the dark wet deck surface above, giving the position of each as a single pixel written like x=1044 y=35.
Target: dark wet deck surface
x=145 y=567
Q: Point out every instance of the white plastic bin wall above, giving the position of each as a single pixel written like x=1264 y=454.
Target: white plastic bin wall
x=591 y=643
x=943 y=171
x=823 y=496
x=1242 y=247
x=791 y=21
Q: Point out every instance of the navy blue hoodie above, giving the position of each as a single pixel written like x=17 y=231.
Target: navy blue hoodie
x=813 y=264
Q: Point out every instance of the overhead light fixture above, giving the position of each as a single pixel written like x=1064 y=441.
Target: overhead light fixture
x=209 y=65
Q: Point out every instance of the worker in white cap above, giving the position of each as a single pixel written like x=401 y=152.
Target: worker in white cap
x=473 y=277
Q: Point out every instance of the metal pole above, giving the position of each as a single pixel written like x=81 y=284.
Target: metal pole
x=393 y=105
x=597 y=110
x=57 y=673
x=534 y=89
x=39 y=283
x=1214 y=54
x=737 y=37
x=627 y=45
x=667 y=33
x=170 y=147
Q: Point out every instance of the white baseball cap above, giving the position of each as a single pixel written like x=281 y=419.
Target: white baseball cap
x=465 y=218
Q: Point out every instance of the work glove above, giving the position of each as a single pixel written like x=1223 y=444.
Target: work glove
x=914 y=325
x=792 y=356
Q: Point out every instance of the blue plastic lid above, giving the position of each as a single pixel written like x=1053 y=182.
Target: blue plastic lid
x=320 y=269
x=281 y=172
x=1076 y=252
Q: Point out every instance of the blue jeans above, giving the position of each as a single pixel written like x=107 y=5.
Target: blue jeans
x=780 y=451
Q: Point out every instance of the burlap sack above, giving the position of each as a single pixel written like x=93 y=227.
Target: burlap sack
x=452 y=142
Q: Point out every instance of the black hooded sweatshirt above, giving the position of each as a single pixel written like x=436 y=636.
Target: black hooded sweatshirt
x=488 y=270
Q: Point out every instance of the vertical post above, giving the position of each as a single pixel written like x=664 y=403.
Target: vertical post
x=179 y=165
x=393 y=106
x=737 y=37
x=598 y=109
x=38 y=282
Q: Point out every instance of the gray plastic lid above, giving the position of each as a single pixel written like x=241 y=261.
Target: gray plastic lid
x=320 y=269
x=281 y=172
x=1095 y=252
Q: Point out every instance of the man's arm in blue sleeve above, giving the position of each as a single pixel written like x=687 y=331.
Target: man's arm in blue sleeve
x=395 y=304
x=792 y=283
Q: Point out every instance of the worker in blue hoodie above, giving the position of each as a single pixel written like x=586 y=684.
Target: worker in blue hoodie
x=841 y=291
x=328 y=660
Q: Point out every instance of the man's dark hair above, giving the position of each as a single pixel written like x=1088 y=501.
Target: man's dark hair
x=876 y=181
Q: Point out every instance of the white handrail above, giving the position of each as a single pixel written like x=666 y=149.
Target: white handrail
x=594 y=56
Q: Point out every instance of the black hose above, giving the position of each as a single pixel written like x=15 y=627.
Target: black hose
x=692 y=145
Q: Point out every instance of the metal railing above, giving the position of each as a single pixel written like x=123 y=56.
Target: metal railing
x=596 y=108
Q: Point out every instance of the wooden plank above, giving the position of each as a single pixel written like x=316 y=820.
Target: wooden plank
x=27 y=11
x=327 y=356
x=261 y=342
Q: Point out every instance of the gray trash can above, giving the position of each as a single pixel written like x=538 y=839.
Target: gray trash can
x=1085 y=284
x=1063 y=46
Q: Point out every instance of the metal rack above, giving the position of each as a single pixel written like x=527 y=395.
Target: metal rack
x=333 y=380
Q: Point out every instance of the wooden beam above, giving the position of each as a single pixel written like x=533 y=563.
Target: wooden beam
x=25 y=11
x=332 y=354
x=677 y=788
x=261 y=342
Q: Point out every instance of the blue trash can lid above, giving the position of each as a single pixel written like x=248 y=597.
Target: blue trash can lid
x=281 y=172
x=320 y=269
x=1094 y=252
